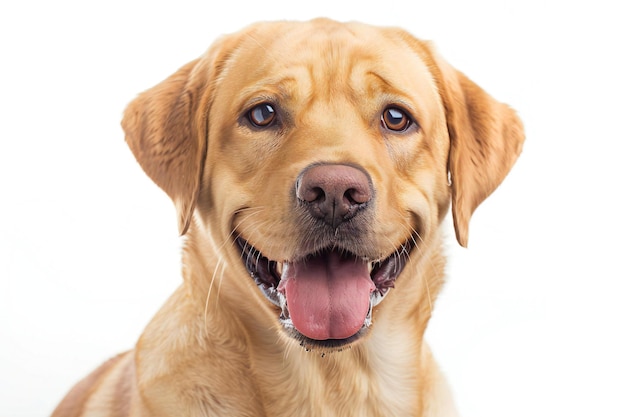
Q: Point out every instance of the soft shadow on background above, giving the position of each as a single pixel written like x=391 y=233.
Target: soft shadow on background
x=532 y=319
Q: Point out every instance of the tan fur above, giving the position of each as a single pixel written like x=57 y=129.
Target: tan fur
x=216 y=347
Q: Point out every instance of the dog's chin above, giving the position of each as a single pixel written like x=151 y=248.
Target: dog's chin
x=324 y=346
x=356 y=277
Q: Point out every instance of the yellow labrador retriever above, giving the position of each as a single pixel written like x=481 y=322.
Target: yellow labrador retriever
x=311 y=165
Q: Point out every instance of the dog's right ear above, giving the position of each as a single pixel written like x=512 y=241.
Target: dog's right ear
x=166 y=129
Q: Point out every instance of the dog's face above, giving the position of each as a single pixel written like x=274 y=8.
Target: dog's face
x=318 y=157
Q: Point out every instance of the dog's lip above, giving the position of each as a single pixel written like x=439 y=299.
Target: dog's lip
x=267 y=274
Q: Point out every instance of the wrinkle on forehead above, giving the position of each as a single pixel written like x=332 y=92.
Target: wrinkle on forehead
x=324 y=61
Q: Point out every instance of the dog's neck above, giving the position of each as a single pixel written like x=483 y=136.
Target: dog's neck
x=206 y=318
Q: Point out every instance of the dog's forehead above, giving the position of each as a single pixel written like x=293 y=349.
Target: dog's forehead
x=328 y=55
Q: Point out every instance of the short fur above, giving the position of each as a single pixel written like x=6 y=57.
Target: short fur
x=216 y=347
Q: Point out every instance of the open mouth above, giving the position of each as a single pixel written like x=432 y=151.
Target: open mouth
x=325 y=298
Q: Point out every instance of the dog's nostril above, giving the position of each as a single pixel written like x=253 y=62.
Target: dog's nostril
x=312 y=194
x=355 y=196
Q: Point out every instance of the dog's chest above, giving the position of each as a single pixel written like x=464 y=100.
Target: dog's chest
x=342 y=388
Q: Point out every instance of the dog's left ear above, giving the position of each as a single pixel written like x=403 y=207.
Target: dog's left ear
x=486 y=138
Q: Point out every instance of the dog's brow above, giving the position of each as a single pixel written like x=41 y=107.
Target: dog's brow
x=268 y=87
x=378 y=77
x=383 y=84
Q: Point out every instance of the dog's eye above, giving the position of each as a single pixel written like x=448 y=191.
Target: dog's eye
x=395 y=119
x=262 y=115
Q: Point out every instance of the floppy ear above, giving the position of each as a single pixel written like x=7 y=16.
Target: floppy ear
x=167 y=127
x=167 y=135
x=486 y=138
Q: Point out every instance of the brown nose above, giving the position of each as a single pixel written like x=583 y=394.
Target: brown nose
x=334 y=193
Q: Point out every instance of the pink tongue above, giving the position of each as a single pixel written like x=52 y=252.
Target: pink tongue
x=328 y=295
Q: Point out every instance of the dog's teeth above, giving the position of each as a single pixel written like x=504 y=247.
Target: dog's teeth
x=368 y=318
x=376 y=297
x=370 y=266
x=284 y=311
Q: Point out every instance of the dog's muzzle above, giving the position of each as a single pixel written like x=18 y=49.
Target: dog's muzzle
x=326 y=295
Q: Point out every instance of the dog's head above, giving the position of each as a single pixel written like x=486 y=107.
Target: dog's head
x=321 y=157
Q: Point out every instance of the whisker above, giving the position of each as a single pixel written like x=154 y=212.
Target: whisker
x=426 y=283
x=219 y=286
x=258 y=256
x=208 y=296
x=419 y=244
x=252 y=211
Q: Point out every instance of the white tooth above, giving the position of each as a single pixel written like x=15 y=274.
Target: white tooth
x=284 y=318
x=376 y=297
x=370 y=266
x=271 y=294
x=286 y=322
x=368 y=318
x=284 y=314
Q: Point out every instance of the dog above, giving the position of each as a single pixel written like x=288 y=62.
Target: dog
x=311 y=165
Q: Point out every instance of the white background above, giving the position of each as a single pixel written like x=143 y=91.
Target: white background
x=532 y=321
